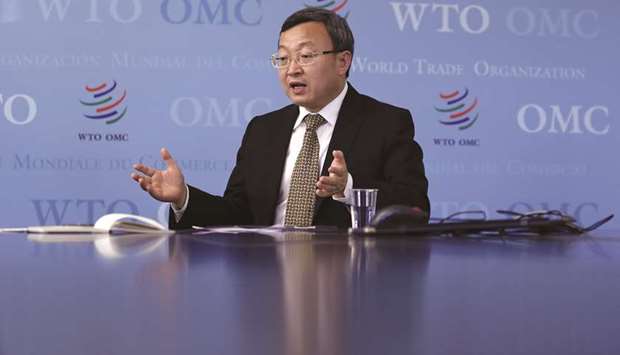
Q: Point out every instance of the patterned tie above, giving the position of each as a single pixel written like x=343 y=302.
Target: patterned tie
x=301 y=193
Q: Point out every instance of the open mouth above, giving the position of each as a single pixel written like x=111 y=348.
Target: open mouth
x=297 y=87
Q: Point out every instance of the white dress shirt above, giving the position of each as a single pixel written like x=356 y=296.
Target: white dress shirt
x=324 y=134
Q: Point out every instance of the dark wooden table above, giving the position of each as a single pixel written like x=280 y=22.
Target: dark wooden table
x=310 y=294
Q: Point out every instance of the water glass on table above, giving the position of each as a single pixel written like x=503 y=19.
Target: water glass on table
x=363 y=205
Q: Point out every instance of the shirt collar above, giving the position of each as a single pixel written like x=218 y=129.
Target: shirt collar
x=329 y=112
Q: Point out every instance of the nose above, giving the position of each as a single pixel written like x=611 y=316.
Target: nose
x=293 y=68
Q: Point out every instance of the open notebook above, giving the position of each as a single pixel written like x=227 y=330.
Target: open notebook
x=110 y=223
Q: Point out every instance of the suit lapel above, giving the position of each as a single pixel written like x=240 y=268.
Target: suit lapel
x=281 y=129
x=348 y=124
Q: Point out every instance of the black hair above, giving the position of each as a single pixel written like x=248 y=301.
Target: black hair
x=337 y=27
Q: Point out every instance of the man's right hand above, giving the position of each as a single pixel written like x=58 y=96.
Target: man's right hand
x=164 y=185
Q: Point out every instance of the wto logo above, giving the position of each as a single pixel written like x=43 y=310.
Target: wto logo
x=19 y=109
x=460 y=111
x=120 y=11
x=564 y=23
x=214 y=112
x=104 y=106
x=454 y=107
x=105 y=102
x=473 y=19
x=63 y=211
x=216 y=12
x=533 y=118
x=340 y=8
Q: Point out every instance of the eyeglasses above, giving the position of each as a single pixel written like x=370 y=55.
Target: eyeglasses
x=569 y=221
x=549 y=214
x=301 y=58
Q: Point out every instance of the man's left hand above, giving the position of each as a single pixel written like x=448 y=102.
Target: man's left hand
x=335 y=183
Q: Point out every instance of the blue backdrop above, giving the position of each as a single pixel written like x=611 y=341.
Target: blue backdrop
x=514 y=102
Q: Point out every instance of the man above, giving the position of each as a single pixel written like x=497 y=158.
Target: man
x=353 y=140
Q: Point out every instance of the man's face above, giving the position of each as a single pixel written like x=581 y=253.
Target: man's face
x=312 y=86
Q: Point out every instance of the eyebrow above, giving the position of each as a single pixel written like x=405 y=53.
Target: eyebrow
x=299 y=46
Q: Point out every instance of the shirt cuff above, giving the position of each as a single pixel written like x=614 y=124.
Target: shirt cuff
x=178 y=213
x=347 y=191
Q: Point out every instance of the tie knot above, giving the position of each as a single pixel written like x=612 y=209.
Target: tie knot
x=313 y=121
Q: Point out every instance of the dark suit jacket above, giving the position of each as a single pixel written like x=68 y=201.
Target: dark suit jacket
x=378 y=146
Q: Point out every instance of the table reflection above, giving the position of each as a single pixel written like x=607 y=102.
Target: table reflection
x=326 y=295
x=307 y=294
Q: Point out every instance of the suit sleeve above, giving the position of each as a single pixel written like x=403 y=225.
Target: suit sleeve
x=401 y=180
x=205 y=209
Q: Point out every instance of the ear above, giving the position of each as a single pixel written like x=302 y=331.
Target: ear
x=344 y=62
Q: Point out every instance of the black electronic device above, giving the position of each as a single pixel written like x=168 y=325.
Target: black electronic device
x=399 y=216
x=405 y=220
